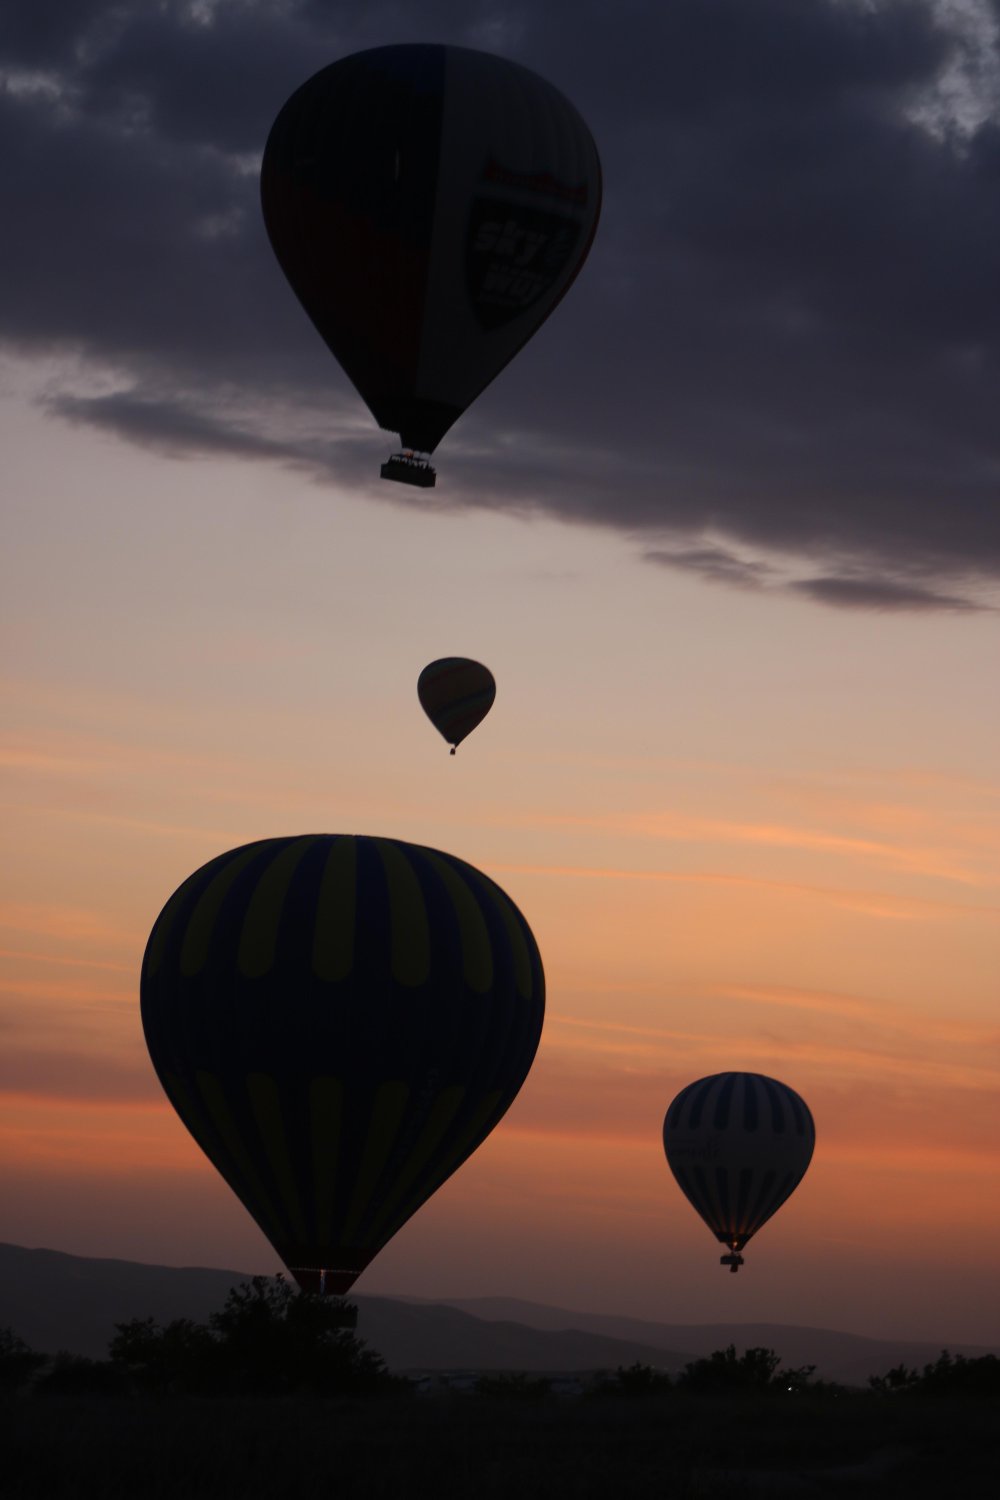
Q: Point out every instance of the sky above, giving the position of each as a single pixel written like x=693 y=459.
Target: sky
x=727 y=533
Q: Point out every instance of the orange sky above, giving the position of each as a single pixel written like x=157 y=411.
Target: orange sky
x=747 y=832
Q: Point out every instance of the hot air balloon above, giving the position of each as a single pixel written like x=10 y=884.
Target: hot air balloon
x=738 y=1145
x=430 y=206
x=339 y=1021
x=456 y=694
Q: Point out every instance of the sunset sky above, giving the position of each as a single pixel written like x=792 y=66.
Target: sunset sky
x=727 y=533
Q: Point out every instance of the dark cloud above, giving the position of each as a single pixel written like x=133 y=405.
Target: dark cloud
x=167 y=426
x=847 y=590
x=177 y=426
x=714 y=564
x=787 y=335
x=878 y=593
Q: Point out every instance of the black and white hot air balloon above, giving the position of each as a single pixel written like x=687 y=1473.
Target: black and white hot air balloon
x=739 y=1145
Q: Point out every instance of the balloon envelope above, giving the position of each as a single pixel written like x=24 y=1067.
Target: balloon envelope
x=738 y=1145
x=430 y=206
x=339 y=1021
x=456 y=694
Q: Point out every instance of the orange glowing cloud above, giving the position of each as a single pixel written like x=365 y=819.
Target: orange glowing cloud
x=916 y=1053
x=875 y=904
x=22 y=956
x=41 y=1134
x=66 y=924
x=923 y=1029
x=68 y=991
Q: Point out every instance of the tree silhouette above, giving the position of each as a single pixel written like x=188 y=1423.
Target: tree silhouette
x=949 y=1375
x=267 y=1340
x=638 y=1380
x=725 y=1370
x=17 y=1361
x=182 y=1356
x=272 y=1339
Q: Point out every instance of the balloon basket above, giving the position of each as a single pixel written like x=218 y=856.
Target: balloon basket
x=406 y=469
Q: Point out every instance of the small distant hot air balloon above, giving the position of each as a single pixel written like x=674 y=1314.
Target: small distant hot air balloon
x=430 y=206
x=456 y=694
x=738 y=1145
x=339 y=1022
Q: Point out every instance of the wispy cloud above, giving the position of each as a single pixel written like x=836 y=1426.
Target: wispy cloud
x=875 y=904
x=851 y=588
x=103 y=1139
x=875 y=591
x=54 y=1080
x=152 y=826
x=915 y=1056
x=54 y=752
x=922 y=1157
x=875 y=1012
x=68 y=963
x=675 y=827
x=714 y=564
x=71 y=924
x=79 y=994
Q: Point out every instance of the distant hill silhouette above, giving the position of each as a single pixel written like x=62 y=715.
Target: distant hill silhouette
x=847 y=1357
x=56 y=1301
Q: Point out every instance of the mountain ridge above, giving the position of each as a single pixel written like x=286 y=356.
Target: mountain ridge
x=55 y=1301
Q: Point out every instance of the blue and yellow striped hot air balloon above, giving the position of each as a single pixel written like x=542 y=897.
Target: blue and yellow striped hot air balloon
x=456 y=694
x=339 y=1021
x=739 y=1145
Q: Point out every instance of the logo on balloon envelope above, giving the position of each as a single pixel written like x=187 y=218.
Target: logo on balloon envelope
x=515 y=254
x=695 y=1150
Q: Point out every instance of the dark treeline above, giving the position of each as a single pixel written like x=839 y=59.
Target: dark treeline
x=758 y=1371
x=269 y=1340
x=274 y=1398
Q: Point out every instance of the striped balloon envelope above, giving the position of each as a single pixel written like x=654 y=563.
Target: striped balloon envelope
x=738 y=1144
x=456 y=694
x=339 y=1021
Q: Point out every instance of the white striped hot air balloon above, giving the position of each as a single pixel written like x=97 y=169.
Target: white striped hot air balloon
x=739 y=1145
